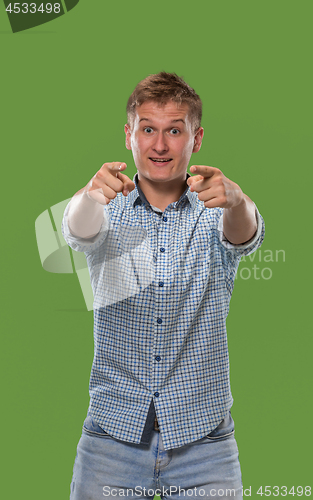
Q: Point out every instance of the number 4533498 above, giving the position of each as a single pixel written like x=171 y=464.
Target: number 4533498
x=24 y=8
x=284 y=491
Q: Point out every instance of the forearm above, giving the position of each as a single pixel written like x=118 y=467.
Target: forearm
x=240 y=222
x=85 y=216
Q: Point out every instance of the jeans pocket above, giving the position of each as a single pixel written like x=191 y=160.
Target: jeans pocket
x=224 y=430
x=91 y=428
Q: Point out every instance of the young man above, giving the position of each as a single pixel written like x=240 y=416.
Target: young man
x=162 y=253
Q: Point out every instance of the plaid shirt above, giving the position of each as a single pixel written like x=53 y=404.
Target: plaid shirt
x=162 y=283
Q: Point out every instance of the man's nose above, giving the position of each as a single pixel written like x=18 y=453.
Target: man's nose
x=160 y=146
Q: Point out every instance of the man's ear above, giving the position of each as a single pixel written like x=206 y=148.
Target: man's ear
x=128 y=136
x=198 y=140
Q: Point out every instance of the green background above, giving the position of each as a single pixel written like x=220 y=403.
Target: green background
x=64 y=89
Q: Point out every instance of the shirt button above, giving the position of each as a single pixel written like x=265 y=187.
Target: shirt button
x=161 y=283
x=158 y=358
x=162 y=249
x=159 y=321
x=157 y=394
x=165 y=219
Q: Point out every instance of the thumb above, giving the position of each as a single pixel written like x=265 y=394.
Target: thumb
x=128 y=185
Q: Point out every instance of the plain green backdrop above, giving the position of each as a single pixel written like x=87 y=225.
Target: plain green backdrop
x=64 y=87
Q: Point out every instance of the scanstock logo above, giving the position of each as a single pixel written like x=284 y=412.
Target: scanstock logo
x=26 y=15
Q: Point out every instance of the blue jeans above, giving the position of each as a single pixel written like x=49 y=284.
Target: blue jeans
x=106 y=468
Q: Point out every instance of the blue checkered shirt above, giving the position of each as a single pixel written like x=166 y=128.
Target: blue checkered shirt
x=162 y=283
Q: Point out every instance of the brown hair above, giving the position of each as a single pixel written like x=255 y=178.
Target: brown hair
x=162 y=88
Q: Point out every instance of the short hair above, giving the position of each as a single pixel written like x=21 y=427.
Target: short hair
x=162 y=88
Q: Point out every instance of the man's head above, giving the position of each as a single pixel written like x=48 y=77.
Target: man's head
x=163 y=129
x=161 y=89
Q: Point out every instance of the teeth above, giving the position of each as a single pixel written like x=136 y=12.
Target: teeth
x=160 y=159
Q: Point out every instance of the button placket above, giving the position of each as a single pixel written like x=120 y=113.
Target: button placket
x=161 y=266
x=160 y=290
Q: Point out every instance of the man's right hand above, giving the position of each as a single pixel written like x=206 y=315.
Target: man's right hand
x=109 y=181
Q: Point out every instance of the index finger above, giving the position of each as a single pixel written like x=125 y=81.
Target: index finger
x=203 y=170
x=115 y=166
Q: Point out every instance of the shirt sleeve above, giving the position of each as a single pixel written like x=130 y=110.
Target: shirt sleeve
x=249 y=246
x=85 y=244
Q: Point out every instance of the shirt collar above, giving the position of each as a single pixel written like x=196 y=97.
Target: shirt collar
x=137 y=197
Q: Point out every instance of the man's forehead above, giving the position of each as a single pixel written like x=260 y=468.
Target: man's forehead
x=170 y=110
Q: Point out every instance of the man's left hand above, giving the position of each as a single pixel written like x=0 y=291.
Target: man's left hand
x=213 y=188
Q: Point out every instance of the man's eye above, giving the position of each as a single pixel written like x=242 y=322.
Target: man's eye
x=174 y=131
x=148 y=130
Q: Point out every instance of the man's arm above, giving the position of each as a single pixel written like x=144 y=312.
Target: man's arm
x=86 y=213
x=240 y=222
x=216 y=190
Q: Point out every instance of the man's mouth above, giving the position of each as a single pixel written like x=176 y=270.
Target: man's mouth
x=160 y=161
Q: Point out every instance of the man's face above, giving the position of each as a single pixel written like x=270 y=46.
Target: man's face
x=162 y=141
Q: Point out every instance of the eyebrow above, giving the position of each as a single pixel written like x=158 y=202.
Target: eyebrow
x=172 y=121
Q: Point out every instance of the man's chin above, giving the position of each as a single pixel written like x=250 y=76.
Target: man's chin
x=164 y=179
x=162 y=176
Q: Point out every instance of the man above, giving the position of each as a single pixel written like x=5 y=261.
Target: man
x=162 y=253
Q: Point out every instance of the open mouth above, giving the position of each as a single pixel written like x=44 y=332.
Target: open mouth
x=160 y=161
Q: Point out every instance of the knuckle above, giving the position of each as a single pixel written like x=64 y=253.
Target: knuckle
x=93 y=183
x=218 y=181
x=109 y=193
x=202 y=196
x=98 y=175
x=105 y=166
x=219 y=178
x=223 y=200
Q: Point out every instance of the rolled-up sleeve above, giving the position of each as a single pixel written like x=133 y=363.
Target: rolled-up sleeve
x=249 y=246
x=85 y=244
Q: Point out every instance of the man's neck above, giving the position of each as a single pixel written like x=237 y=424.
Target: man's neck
x=162 y=194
